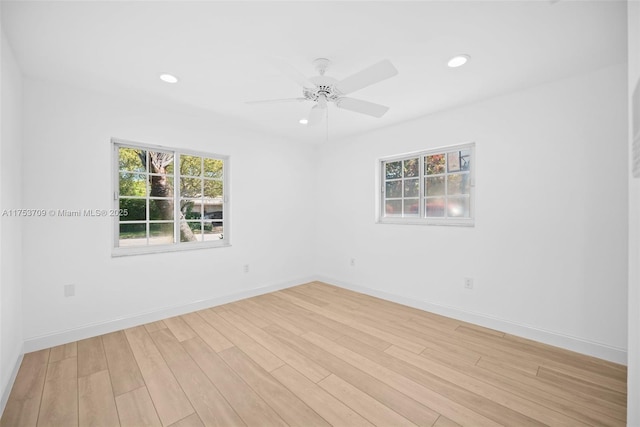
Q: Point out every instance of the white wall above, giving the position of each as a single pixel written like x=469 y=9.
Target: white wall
x=633 y=378
x=67 y=165
x=11 y=337
x=548 y=253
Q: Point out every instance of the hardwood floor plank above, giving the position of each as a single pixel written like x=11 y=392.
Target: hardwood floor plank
x=329 y=408
x=325 y=324
x=368 y=327
x=288 y=406
x=302 y=364
x=362 y=403
x=272 y=317
x=192 y=420
x=210 y=405
x=252 y=408
x=24 y=400
x=416 y=412
x=258 y=353
x=288 y=357
x=588 y=410
x=240 y=308
x=503 y=406
x=91 y=357
x=123 y=368
x=579 y=385
x=445 y=422
x=63 y=351
x=59 y=405
x=136 y=409
x=303 y=318
x=179 y=328
x=208 y=333
x=96 y=404
x=154 y=326
x=168 y=397
x=436 y=401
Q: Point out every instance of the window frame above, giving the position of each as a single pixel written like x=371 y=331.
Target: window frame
x=421 y=219
x=117 y=251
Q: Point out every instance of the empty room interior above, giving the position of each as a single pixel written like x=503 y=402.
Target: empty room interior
x=420 y=213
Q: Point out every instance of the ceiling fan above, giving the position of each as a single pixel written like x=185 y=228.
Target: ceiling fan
x=323 y=89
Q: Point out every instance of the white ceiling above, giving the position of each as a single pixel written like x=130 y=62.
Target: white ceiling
x=220 y=50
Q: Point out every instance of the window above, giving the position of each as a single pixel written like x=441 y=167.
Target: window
x=168 y=199
x=429 y=187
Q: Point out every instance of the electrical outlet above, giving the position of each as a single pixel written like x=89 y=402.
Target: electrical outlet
x=69 y=290
x=468 y=283
x=352 y=262
x=245 y=268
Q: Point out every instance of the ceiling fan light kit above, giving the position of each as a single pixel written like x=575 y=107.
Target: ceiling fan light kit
x=323 y=89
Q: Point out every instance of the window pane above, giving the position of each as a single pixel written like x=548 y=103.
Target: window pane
x=212 y=189
x=192 y=209
x=411 y=167
x=161 y=234
x=411 y=207
x=435 y=207
x=215 y=217
x=190 y=165
x=161 y=209
x=160 y=186
x=393 y=170
x=458 y=160
x=412 y=187
x=434 y=186
x=213 y=230
x=393 y=208
x=458 y=183
x=132 y=235
x=132 y=184
x=130 y=159
x=458 y=207
x=213 y=168
x=394 y=189
x=190 y=187
x=196 y=232
x=160 y=161
x=434 y=164
x=136 y=209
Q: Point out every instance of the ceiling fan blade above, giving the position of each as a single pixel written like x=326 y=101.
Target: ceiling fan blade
x=315 y=115
x=291 y=72
x=364 y=107
x=275 y=101
x=373 y=74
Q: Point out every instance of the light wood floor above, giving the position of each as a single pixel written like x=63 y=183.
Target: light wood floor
x=313 y=355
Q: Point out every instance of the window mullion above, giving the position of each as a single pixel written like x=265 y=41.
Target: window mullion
x=176 y=197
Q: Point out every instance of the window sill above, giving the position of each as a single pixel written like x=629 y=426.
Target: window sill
x=144 y=250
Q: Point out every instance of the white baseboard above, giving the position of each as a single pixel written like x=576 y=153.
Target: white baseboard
x=95 y=329
x=12 y=379
x=591 y=348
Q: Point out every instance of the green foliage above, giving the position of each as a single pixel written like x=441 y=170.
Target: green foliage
x=393 y=170
x=435 y=164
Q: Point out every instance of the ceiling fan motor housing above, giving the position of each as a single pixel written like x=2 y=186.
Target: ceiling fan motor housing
x=325 y=86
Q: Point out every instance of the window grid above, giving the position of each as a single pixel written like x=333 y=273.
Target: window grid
x=444 y=185
x=159 y=222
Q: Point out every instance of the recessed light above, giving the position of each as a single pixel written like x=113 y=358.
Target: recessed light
x=168 y=78
x=304 y=121
x=458 y=61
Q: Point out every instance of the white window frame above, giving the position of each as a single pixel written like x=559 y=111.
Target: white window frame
x=117 y=251
x=422 y=219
